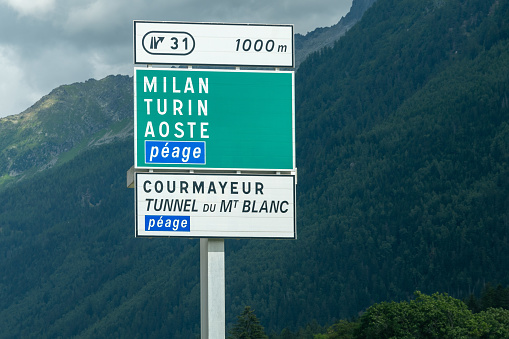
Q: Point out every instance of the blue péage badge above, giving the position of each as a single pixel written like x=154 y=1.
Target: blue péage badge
x=175 y=152
x=167 y=223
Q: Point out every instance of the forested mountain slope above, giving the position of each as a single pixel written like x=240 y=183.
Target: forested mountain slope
x=70 y=118
x=402 y=153
x=406 y=136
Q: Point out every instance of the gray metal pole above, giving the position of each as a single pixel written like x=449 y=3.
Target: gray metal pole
x=212 y=289
x=204 y=299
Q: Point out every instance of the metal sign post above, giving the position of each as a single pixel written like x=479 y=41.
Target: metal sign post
x=212 y=288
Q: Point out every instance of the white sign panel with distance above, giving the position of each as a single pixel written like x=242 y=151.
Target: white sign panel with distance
x=211 y=205
x=181 y=43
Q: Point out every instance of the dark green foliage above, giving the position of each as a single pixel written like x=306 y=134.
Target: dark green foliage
x=435 y=316
x=491 y=297
x=405 y=145
x=343 y=329
x=71 y=266
x=247 y=326
x=309 y=331
x=403 y=184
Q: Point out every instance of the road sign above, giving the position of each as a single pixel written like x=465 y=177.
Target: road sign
x=214 y=119
x=224 y=206
x=213 y=44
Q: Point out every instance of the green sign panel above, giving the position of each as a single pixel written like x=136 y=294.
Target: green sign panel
x=214 y=119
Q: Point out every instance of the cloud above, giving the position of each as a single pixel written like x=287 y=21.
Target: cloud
x=95 y=16
x=48 y=43
x=16 y=92
x=35 y=8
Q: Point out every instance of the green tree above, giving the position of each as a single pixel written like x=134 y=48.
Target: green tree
x=435 y=316
x=492 y=323
x=343 y=329
x=248 y=326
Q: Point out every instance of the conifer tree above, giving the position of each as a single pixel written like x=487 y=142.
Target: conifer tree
x=248 y=326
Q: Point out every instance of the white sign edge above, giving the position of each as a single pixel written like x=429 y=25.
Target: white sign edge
x=237 y=236
x=218 y=24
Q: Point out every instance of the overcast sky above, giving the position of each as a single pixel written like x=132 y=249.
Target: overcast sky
x=48 y=43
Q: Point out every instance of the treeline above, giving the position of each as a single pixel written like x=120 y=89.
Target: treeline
x=425 y=316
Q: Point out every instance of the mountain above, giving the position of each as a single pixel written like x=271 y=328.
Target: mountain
x=402 y=151
x=65 y=120
x=326 y=36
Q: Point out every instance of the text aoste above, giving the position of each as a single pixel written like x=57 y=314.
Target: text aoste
x=175 y=107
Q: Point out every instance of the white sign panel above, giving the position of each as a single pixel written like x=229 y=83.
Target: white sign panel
x=207 y=206
x=182 y=43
